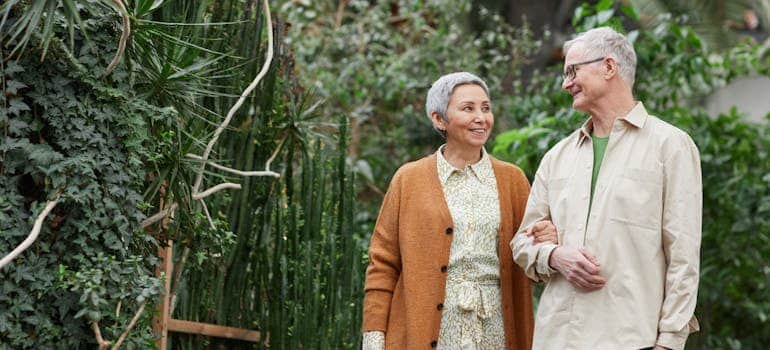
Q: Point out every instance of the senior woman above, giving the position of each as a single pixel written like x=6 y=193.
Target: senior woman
x=441 y=273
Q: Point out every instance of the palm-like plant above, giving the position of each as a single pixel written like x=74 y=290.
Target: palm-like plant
x=257 y=247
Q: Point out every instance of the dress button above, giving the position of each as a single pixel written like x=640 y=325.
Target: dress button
x=449 y=230
x=440 y=306
x=443 y=268
x=433 y=344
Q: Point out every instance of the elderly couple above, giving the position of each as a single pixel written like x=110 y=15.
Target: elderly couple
x=611 y=226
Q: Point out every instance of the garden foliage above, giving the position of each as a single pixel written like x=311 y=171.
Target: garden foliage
x=279 y=256
x=66 y=131
x=340 y=108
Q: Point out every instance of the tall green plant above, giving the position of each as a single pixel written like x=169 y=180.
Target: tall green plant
x=255 y=269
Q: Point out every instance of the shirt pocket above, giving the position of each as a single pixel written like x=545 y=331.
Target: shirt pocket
x=637 y=198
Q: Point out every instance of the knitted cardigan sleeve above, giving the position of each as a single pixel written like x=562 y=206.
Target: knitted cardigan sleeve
x=384 y=268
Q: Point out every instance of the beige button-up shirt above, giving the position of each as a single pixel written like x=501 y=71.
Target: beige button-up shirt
x=644 y=227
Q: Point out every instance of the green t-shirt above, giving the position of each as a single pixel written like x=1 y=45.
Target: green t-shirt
x=600 y=145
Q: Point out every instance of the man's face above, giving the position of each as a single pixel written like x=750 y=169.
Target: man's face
x=587 y=83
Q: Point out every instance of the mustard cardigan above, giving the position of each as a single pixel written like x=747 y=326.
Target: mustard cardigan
x=409 y=251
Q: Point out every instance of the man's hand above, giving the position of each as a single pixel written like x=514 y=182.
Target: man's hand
x=578 y=266
x=543 y=231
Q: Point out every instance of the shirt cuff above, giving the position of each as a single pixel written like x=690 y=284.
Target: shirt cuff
x=373 y=340
x=543 y=255
x=673 y=341
x=677 y=340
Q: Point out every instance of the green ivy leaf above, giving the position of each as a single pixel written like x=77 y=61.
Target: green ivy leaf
x=17 y=106
x=13 y=67
x=12 y=86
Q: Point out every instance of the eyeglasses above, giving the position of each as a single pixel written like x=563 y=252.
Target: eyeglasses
x=570 y=71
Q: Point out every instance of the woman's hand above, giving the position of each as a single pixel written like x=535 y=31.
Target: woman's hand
x=543 y=231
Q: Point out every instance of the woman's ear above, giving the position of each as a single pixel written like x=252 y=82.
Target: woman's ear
x=438 y=122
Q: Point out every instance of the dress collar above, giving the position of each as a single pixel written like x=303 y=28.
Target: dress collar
x=481 y=169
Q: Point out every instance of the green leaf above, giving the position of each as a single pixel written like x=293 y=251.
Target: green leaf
x=17 y=126
x=629 y=11
x=17 y=106
x=604 y=5
x=604 y=16
x=12 y=86
x=12 y=68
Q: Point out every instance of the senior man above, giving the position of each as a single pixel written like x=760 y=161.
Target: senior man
x=624 y=192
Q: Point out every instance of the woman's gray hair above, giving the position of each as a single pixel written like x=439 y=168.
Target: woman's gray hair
x=605 y=41
x=441 y=91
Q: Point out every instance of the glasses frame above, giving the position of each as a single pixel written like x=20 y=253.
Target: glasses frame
x=570 y=71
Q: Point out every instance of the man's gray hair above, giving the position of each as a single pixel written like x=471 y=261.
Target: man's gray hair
x=605 y=41
x=441 y=91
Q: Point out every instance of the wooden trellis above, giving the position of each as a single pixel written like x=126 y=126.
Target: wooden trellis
x=164 y=323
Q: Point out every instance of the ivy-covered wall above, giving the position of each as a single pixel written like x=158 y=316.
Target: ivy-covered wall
x=66 y=131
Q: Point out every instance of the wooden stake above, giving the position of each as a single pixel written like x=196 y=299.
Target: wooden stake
x=160 y=324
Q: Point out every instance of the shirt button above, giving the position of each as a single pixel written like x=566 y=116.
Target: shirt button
x=443 y=268
x=449 y=230
x=440 y=306
x=433 y=344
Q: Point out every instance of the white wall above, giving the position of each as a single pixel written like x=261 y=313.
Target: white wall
x=751 y=95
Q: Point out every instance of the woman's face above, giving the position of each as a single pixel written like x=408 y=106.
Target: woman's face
x=469 y=117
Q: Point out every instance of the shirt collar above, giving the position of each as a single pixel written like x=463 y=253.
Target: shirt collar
x=481 y=169
x=636 y=118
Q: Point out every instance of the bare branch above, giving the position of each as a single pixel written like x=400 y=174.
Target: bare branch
x=208 y=215
x=216 y=188
x=159 y=216
x=275 y=153
x=103 y=344
x=237 y=105
x=123 y=37
x=235 y=171
x=130 y=326
x=33 y=234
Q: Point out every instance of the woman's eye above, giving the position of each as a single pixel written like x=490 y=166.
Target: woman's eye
x=468 y=109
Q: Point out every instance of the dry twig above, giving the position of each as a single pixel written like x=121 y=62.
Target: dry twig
x=32 y=234
x=123 y=37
